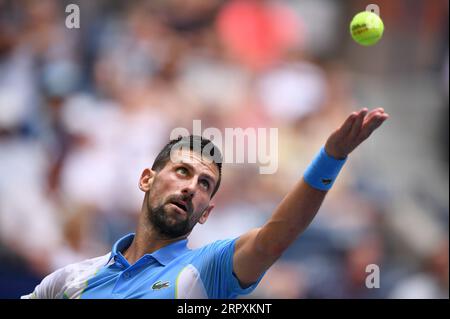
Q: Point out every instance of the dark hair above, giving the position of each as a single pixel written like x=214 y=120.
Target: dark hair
x=194 y=143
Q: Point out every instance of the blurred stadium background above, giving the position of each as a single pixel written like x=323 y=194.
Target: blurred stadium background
x=83 y=111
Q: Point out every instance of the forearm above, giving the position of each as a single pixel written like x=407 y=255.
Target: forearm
x=299 y=207
x=258 y=249
x=290 y=218
x=301 y=204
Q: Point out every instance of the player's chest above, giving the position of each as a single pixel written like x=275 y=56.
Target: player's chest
x=152 y=282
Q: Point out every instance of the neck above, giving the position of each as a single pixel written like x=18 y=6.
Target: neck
x=147 y=240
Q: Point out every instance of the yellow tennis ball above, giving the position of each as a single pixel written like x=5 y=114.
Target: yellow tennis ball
x=366 y=28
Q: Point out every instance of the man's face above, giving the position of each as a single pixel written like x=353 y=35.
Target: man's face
x=179 y=195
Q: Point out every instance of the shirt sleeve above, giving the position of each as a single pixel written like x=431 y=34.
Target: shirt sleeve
x=51 y=287
x=69 y=281
x=217 y=273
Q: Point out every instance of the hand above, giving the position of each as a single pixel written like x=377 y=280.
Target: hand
x=356 y=128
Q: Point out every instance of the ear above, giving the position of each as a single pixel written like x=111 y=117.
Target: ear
x=146 y=180
x=205 y=214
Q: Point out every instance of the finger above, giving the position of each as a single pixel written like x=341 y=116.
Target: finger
x=373 y=125
x=345 y=128
x=377 y=111
x=356 y=127
x=374 y=118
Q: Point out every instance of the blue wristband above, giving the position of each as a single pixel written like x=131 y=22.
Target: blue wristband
x=323 y=170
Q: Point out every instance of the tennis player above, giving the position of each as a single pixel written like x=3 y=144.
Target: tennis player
x=155 y=262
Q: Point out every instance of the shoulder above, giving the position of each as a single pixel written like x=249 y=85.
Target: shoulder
x=217 y=245
x=214 y=254
x=215 y=248
x=69 y=281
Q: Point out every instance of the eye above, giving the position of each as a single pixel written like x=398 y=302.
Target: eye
x=182 y=171
x=205 y=184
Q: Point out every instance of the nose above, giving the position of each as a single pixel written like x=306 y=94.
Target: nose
x=188 y=189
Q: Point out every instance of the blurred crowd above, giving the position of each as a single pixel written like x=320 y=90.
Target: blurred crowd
x=84 y=111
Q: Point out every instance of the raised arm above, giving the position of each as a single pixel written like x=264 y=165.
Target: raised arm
x=258 y=249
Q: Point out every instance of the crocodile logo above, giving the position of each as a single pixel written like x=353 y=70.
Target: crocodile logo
x=160 y=285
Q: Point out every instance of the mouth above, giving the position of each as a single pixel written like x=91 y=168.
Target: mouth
x=180 y=205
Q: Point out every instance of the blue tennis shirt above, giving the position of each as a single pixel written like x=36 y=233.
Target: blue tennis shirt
x=174 y=271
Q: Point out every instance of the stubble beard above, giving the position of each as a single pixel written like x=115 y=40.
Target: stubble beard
x=159 y=218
